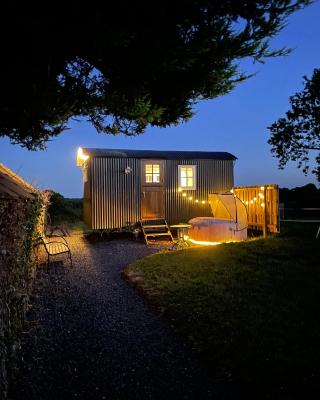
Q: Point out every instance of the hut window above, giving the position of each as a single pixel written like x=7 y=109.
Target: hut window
x=152 y=173
x=187 y=176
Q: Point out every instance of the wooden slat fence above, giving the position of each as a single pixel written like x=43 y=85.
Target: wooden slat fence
x=262 y=205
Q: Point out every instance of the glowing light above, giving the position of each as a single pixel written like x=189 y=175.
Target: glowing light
x=184 y=194
x=247 y=202
x=261 y=196
x=231 y=190
x=251 y=201
x=203 y=202
x=262 y=204
x=262 y=188
x=81 y=157
x=179 y=190
x=204 y=243
x=197 y=201
x=190 y=198
x=254 y=199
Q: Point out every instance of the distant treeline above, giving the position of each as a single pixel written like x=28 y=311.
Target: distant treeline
x=307 y=196
x=62 y=210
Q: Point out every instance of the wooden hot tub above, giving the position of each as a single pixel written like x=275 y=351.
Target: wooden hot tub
x=209 y=229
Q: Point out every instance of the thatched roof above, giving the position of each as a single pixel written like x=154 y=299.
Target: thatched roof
x=14 y=187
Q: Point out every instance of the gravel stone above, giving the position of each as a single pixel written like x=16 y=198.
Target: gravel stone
x=89 y=335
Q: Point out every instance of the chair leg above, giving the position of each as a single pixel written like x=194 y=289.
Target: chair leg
x=70 y=258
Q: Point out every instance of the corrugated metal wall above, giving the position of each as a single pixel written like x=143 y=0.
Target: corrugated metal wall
x=213 y=176
x=116 y=197
x=87 y=196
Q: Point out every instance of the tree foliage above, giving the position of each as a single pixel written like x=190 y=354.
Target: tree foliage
x=62 y=210
x=300 y=197
x=298 y=133
x=127 y=65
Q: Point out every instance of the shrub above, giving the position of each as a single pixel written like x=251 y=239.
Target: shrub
x=18 y=227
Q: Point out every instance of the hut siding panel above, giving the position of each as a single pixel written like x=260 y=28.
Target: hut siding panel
x=213 y=176
x=87 y=198
x=116 y=197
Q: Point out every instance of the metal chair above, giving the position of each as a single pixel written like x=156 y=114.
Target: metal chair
x=56 y=247
x=49 y=229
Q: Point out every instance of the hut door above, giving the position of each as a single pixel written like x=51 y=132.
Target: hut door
x=152 y=187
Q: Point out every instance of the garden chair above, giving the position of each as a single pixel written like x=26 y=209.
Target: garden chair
x=51 y=229
x=54 y=246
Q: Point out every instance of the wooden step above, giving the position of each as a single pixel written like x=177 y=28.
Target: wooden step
x=155 y=227
x=158 y=234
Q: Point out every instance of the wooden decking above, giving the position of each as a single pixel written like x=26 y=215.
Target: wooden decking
x=262 y=204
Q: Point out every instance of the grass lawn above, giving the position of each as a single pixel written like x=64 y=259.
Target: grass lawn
x=252 y=310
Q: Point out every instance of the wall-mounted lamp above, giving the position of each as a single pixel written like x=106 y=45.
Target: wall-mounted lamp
x=128 y=170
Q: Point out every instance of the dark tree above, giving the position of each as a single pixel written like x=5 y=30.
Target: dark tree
x=127 y=65
x=294 y=137
x=62 y=210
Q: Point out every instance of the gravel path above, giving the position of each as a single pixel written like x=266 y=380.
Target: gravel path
x=91 y=336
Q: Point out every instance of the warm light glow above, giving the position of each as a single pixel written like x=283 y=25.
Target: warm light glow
x=197 y=201
x=262 y=188
x=254 y=199
x=81 y=157
x=152 y=173
x=261 y=196
x=203 y=242
x=190 y=198
x=231 y=190
x=262 y=204
x=184 y=194
x=247 y=202
x=203 y=202
x=179 y=190
x=251 y=202
x=187 y=175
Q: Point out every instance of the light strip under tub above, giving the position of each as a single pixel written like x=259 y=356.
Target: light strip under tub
x=201 y=242
x=205 y=243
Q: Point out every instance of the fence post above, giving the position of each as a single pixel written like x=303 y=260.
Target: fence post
x=265 y=215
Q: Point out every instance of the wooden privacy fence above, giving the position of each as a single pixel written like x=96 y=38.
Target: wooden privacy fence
x=262 y=206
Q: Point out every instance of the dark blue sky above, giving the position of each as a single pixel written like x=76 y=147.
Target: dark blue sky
x=235 y=123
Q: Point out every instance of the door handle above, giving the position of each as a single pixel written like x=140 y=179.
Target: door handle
x=144 y=194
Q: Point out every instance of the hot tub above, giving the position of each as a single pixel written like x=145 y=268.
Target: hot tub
x=209 y=229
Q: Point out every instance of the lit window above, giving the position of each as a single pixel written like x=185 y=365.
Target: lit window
x=187 y=176
x=152 y=172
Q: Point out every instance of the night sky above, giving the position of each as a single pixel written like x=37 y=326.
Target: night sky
x=235 y=123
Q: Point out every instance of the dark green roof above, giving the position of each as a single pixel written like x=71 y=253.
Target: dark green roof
x=165 y=154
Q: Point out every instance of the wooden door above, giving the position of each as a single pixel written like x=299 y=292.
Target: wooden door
x=152 y=188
